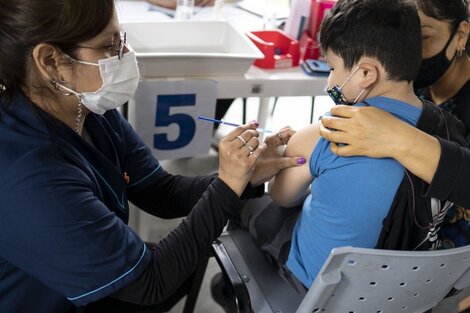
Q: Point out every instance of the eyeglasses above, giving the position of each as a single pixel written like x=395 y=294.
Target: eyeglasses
x=114 y=49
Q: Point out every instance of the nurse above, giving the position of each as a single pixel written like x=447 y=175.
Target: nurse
x=70 y=163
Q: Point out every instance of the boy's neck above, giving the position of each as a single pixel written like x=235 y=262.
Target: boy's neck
x=401 y=91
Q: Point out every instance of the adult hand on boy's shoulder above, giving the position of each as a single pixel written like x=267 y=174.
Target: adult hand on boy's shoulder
x=366 y=131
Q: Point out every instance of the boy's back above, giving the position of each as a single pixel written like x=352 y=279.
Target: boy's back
x=373 y=48
x=350 y=197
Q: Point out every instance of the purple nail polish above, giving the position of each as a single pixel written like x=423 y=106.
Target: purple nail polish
x=255 y=124
x=301 y=161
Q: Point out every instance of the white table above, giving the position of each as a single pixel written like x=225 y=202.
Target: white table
x=277 y=82
x=256 y=82
x=264 y=84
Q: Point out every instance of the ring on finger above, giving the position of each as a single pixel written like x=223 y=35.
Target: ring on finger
x=249 y=147
x=254 y=154
x=241 y=139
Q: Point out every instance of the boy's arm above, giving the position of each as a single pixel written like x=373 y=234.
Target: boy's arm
x=288 y=187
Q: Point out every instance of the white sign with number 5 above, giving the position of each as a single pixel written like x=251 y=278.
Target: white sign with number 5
x=164 y=114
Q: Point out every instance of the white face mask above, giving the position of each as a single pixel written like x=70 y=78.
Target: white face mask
x=120 y=80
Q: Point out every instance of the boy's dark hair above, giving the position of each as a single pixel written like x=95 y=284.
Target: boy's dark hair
x=386 y=30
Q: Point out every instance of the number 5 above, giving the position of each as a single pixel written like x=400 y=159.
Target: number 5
x=185 y=122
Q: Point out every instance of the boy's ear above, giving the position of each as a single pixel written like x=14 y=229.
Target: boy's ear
x=369 y=74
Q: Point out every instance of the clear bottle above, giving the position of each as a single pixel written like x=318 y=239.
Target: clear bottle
x=184 y=10
x=269 y=17
x=217 y=10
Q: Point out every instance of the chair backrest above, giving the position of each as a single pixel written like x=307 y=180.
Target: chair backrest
x=354 y=280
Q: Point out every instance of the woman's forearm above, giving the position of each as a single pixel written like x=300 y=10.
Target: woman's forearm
x=417 y=151
x=450 y=182
x=369 y=131
x=372 y=132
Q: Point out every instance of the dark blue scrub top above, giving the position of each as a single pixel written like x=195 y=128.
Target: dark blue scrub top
x=64 y=241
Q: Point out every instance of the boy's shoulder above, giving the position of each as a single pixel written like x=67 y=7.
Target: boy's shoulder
x=384 y=101
x=405 y=111
x=304 y=140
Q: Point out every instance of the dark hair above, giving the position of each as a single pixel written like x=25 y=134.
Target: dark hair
x=62 y=23
x=387 y=30
x=452 y=11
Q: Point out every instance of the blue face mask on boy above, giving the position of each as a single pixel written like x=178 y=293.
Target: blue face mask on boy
x=336 y=92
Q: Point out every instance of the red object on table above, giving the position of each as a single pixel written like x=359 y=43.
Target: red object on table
x=318 y=10
x=309 y=42
x=279 y=49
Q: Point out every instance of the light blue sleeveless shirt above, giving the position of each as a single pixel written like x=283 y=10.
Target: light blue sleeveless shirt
x=350 y=197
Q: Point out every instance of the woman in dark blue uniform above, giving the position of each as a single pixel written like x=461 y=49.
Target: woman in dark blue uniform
x=70 y=163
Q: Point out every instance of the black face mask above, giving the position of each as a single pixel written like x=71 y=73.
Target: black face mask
x=433 y=68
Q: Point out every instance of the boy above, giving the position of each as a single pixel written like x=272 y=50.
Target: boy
x=373 y=48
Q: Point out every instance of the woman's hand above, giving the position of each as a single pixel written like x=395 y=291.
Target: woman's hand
x=238 y=153
x=273 y=161
x=365 y=131
x=203 y=3
x=375 y=133
x=171 y=4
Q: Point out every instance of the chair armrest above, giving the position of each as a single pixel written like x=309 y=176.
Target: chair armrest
x=242 y=298
x=267 y=292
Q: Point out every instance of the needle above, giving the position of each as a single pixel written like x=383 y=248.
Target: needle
x=213 y=120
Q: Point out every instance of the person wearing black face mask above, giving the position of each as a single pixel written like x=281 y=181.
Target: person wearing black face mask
x=445 y=70
x=444 y=78
x=433 y=68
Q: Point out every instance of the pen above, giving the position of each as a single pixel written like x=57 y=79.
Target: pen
x=213 y=120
